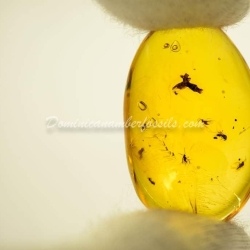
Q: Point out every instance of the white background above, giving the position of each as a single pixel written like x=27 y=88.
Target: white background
x=70 y=60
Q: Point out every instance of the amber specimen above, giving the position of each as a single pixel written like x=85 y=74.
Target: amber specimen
x=187 y=122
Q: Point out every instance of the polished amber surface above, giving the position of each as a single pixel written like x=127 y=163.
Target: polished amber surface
x=187 y=117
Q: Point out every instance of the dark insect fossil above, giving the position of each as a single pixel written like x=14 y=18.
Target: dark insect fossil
x=223 y=136
x=185 y=159
x=205 y=122
x=186 y=83
x=241 y=164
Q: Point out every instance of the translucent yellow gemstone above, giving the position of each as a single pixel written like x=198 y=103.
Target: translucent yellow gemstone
x=187 y=112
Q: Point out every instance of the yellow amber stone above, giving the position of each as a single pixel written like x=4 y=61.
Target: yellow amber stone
x=187 y=105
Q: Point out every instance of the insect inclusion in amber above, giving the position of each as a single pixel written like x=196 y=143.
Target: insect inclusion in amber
x=187 y=105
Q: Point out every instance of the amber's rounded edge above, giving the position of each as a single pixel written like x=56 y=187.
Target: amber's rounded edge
x=236 y=49
x=125 y=114
x=232 y=215
x=129 y=78
x=245 y=200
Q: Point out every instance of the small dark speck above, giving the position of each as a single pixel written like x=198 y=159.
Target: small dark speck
x=233 y=127
x=223 y=91
x=166 y=45
x=179 y=181
x=135 y=177
x=149 y=145
x=158 y=114
x=151 y=181
x=215 y=138
x=219 y=58
x=239 y=159
x=235 y=120
x=198 y=167
x=243 y=128
x=140 y=152
x=194 y=69
x=212 y=179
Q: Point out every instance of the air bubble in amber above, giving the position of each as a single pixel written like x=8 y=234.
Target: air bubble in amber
x=187 y=101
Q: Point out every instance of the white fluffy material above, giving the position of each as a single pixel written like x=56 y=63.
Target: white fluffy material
x=165 y=14
x=161 y=230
